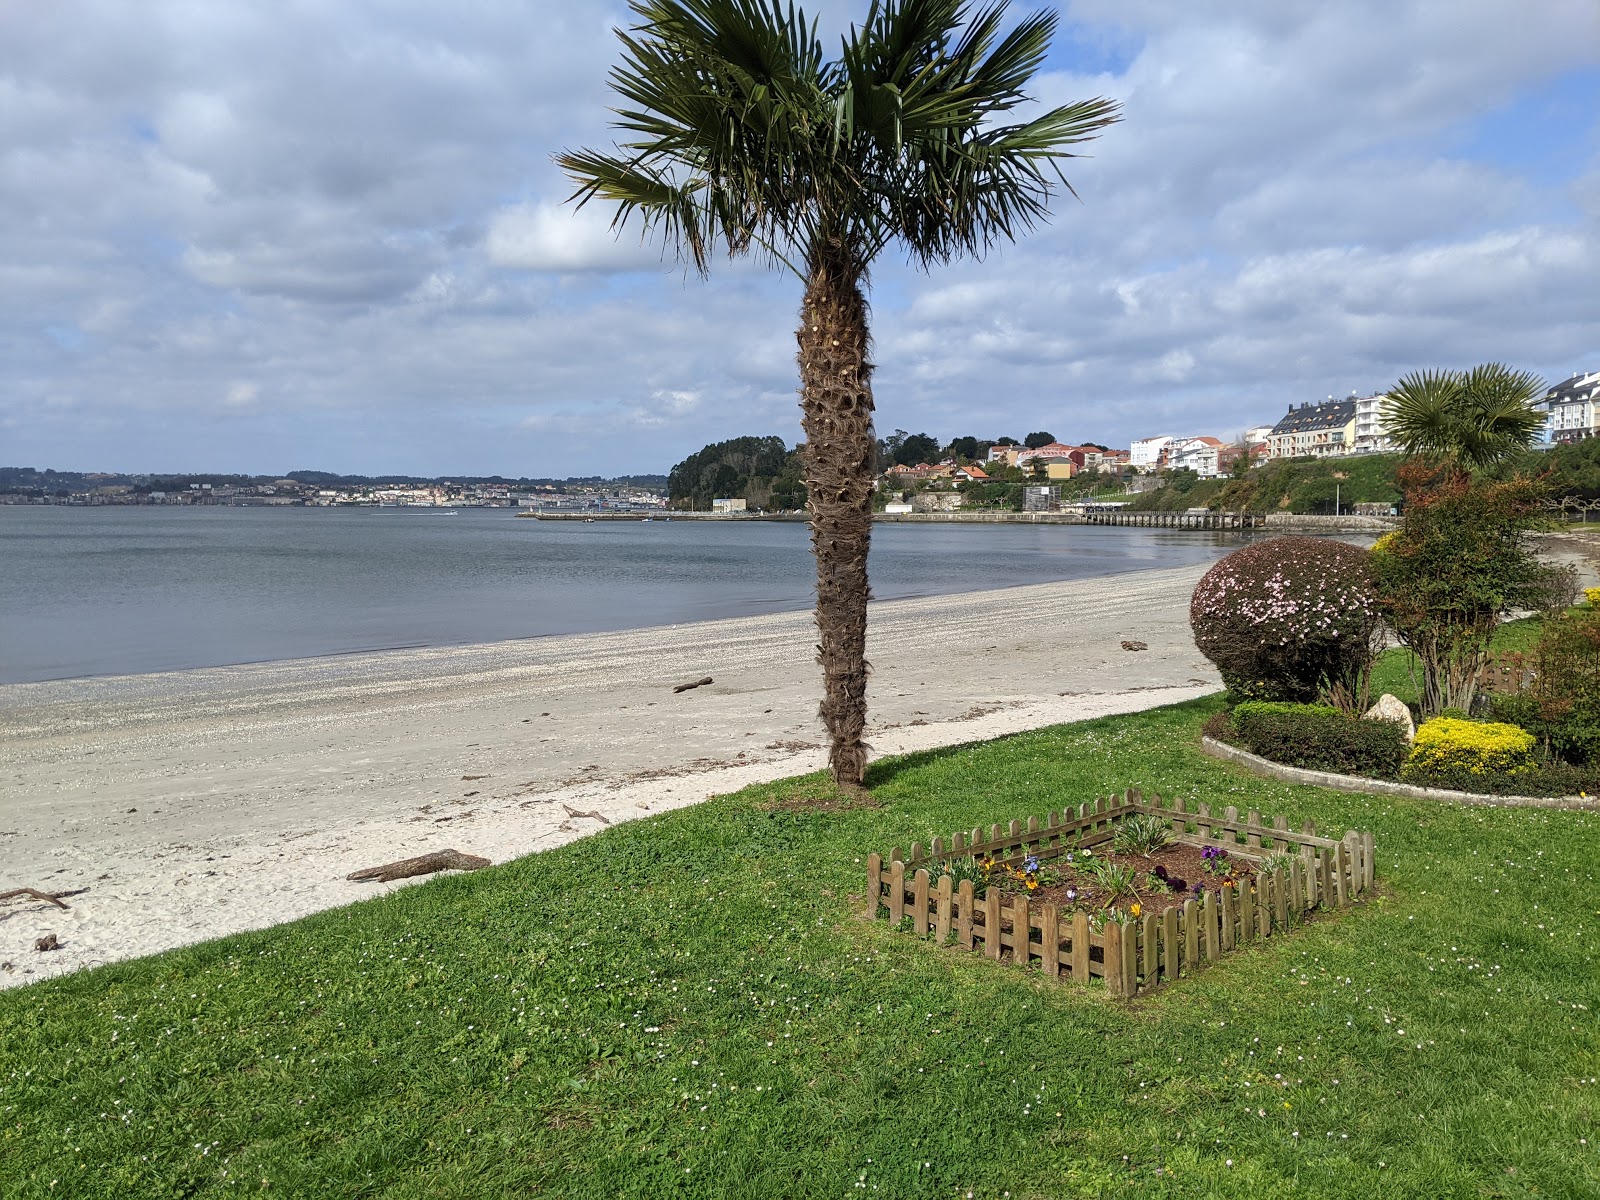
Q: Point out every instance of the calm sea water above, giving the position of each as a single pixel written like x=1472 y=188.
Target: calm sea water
x=98 y=591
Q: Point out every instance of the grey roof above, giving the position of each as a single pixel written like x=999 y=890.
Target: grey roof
x=1331 y=414
x=1569 y=391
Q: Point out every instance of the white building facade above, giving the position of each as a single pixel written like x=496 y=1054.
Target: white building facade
x=1199 y=454
x=1372 y=424
x=1572 y=404
x=1145 y=454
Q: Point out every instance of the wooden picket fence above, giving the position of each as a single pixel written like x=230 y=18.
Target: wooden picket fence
x=1507 y=672
x=1130 y=955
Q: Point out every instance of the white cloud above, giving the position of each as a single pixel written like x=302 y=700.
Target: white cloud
x=345 y=219
x=546 y=236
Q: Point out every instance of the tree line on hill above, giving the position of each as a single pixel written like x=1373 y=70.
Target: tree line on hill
x=768 y=475
x=30 y=481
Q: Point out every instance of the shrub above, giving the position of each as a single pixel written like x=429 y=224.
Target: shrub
x=1447 y=745
x=1561 y=705
x=1319 y=737
x=1553 y=590
x=1455 y=567
x=1550 y=779
x=1285 y=618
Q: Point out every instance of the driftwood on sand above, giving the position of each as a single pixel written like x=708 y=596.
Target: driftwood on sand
x=423 y=864
x=48 y=897
x=684 y=687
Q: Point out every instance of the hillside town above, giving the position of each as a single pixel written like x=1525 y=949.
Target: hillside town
x=25 y=486
x=1330 y=429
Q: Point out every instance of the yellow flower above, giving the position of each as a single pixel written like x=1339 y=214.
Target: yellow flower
x=1134 y=908
x=1032 y=884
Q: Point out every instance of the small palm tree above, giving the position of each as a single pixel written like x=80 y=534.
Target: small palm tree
x=745 y=137
x=1478 y=418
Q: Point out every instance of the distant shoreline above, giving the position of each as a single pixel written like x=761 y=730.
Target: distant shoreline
x=1181 y=521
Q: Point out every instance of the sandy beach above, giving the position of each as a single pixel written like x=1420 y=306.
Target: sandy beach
x=200 y=803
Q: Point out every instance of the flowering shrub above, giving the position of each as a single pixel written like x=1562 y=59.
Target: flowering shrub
x=1592 y=595
x=1317 y=737
x=1285 y=618
x=1446 y=744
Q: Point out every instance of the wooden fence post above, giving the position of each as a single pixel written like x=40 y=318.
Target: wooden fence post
x=1228 y=916
x=1113 y=940
x=1169 y=943
x=1191 y=936
x=1050 y=938
x=1021 y=931
x=1149 y=959
x=964 y=911
x=1080 y=947
x=874 y=884
x=1341 y=864
x=919 y=902
x=944 y=904
x=1130 y=960
x=897 y=890
x=991 y=924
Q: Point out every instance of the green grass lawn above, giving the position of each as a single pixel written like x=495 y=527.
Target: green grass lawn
x=692 y=1005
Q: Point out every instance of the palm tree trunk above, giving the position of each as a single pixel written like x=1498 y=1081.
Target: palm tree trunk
x=841 y=455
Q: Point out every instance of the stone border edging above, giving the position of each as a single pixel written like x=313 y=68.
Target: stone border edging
x=1385 y=787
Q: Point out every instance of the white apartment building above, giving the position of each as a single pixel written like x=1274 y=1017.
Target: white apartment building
x=1145 y=454
x=1372 y=426
x=1199 y=454
x=1572 y=404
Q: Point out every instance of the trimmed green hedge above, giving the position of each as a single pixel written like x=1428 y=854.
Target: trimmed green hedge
x=1317 y=737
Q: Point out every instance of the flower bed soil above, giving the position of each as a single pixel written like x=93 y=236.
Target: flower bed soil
x=1078 y=890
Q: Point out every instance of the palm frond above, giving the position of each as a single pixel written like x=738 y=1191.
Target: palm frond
x=1479 y=417
x=728 y=108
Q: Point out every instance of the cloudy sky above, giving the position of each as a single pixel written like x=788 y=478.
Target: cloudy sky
x=251 y=236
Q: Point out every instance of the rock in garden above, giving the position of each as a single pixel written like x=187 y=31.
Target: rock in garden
x=1392 y=708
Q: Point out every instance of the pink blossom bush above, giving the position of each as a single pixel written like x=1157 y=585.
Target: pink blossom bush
x=1287 y=618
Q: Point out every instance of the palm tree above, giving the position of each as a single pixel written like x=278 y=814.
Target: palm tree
x=1478 y=418
x=745 y=136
